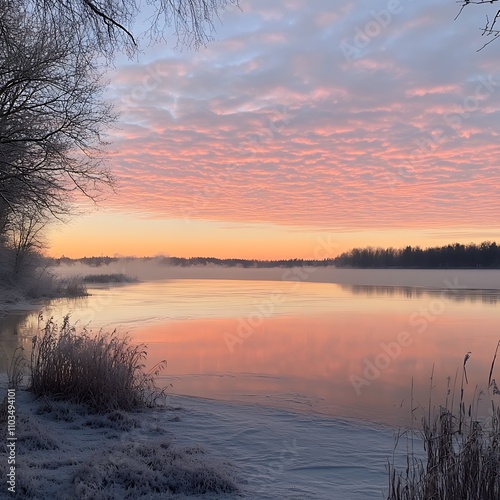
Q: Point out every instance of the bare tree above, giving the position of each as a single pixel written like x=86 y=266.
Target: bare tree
x=52 y=117
x=108 y=22
x=52 y=114
x=25 y=234
x=51 y=110
x=491 y=28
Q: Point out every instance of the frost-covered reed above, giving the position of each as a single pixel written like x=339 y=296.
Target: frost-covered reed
x=103 y=370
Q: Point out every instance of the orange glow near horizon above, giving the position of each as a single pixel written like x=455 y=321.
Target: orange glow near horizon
x=128 y=235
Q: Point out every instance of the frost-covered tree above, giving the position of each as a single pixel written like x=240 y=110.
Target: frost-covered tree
x=51 y=110
x=52 y=115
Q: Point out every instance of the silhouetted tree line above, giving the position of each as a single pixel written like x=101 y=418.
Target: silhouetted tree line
x=246 y=263
x=485 y=255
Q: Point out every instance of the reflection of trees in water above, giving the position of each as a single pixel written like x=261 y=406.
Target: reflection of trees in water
x=459 y=295
x=15 y=331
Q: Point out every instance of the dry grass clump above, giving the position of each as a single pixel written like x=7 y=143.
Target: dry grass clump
x=109 y=278
x=462 y=452
x=70 y=287
x=103 y=371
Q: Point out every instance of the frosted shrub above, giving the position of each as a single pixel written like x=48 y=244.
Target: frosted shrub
x=26 y=277
x=153 y=471
x=103 y=371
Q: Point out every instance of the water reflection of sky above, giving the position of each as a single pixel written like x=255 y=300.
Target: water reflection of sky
x=349 y=351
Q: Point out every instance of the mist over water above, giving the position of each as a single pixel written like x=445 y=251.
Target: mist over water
x=153 y=269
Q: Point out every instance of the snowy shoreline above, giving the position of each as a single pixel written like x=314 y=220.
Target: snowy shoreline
x=62 y=451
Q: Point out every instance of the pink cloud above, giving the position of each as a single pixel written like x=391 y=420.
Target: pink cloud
x=273 y=125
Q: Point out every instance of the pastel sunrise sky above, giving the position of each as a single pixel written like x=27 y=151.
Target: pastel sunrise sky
x=303 y=120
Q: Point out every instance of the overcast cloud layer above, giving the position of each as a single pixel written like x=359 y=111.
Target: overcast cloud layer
x=366 y=114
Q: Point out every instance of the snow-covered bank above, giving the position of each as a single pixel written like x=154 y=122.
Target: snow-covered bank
x=192 y=443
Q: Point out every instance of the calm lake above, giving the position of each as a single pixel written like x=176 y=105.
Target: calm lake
x=336 y=349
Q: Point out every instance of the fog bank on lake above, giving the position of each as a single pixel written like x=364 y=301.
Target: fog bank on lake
x=151 y=269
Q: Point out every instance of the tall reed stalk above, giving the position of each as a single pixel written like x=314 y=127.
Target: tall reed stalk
x=462 y=450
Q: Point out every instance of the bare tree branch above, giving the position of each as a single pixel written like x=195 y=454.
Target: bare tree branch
x=108 y=22
x=52 y=114
x=490 y=28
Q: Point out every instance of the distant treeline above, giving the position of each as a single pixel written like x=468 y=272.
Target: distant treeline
x=247 y=263
x=485 y=255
